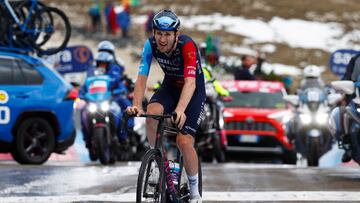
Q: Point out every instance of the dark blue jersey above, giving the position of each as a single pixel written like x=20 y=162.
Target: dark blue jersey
x=183 y=62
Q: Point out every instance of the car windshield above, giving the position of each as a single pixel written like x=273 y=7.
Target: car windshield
x=257 y=100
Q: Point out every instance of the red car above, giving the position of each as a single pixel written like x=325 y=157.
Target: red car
x=255 y=119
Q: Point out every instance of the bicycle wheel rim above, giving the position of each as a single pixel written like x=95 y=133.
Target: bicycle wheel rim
x=54 y=31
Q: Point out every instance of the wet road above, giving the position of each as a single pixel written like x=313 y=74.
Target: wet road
x=231 y=182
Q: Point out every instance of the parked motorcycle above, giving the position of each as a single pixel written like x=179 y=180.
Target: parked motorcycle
x=308 y=129
x=100 y=121
x=344 y=121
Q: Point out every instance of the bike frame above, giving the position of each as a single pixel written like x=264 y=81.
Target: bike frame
x=23 y=27
x=169 y=178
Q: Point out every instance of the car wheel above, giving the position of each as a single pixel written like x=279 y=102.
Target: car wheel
x=34 y=141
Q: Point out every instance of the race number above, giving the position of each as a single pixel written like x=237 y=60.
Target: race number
x=4 y=115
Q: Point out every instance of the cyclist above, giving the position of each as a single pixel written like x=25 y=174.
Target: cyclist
x=182 y=89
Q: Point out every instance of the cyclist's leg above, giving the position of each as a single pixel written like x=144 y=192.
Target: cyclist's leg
x=151 y=124
x=185 y=140
x=161 y=102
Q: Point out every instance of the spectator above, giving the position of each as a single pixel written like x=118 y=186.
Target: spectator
x=212 y=52
x=123 y=20
x=110 y=16
x=95 y=16
x=148 y=23
x=243 y=72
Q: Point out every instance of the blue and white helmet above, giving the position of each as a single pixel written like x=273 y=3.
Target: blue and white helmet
x=104 y=56
x=166 y=20
x=106 y=46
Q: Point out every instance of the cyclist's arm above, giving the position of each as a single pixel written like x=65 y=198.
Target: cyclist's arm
x=189 y=55
x=144 y=69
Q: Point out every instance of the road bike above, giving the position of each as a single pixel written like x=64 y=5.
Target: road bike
x=32 y=26
x=168 y=186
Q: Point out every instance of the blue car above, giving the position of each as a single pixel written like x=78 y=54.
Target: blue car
x=36 y=109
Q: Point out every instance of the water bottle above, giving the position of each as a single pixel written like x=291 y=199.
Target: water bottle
x=175 y=171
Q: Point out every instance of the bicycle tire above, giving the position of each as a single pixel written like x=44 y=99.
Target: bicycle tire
x=49 y=23
x=151 y=156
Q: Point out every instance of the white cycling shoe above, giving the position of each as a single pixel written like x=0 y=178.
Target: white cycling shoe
x=196 y=200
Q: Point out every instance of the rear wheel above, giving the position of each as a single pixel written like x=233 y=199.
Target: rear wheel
x=150 y=183
x=34 y=141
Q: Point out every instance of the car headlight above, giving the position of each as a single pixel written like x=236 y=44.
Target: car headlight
x=105 y=106
x=305 y=118
x=92 y=108
x=321 y=118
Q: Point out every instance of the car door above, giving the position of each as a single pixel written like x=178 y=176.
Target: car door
x=19 y=92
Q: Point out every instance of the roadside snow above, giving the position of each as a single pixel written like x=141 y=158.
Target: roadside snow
x=294 y=32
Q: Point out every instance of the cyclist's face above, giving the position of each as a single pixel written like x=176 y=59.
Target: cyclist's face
x=165 y=40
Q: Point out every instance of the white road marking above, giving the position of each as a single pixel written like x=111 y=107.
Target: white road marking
x=208 y=196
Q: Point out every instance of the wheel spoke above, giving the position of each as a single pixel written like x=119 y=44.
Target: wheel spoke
x=30 y=148
x=40 y=135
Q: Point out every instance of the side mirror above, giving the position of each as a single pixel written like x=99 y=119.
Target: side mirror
x=344 y=86
x=292 y=99
x=334 y=98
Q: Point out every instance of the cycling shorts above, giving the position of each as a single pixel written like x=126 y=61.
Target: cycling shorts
x=169 y=96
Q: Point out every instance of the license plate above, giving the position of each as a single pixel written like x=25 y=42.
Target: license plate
x=248 y=138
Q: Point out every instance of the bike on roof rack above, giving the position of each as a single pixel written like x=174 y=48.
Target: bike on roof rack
x=31 y=26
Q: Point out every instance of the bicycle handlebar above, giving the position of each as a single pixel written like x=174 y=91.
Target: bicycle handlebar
x=126 y=117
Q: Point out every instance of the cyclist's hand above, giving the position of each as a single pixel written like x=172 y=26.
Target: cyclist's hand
x=180 y=119
x=134 y=110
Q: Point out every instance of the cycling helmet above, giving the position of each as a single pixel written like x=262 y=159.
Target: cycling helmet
x=312 y=71
x=104 y=57
x=106 y=46
x=166 y=20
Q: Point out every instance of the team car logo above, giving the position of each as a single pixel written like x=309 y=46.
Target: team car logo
x=4 y=115
x=4 y=97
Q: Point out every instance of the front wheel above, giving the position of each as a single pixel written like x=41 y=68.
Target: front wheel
x=150 y=183
x=102 y=145
x=313 y=152
x=34 y=141
x=217 y=150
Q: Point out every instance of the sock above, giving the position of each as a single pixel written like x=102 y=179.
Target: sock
x=194 y=186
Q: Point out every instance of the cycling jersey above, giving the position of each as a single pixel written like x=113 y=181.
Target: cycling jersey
x=183 y=62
